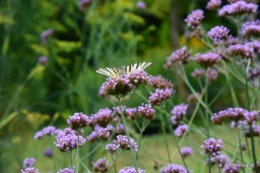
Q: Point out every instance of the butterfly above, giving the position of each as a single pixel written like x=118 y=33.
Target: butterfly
x=120 y=71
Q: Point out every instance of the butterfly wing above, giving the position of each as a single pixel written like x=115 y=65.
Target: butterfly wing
x=139 y=66
x=110 y=72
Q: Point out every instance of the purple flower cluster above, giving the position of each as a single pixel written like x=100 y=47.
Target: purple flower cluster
x=212 y=74
x=161 y=82
x=103 y=117
x=245 y=51
x=236 y=115
x=68 y=142
x=112 y=147
x=192 y=97
x=128 y=113
x=212 y=146
x=160 y=95
x=255 y=130
x=237 y=8
x=181 y=130
x=218 y=33
x=231 y=41
x=66 y=170
x=50 y=130
x=123 y=85
x=178 y=113
x=83 y=4
x=30 y=170
x=122 y=141
x=141 y=5
x=120 y=129
x=103 y=134
x=130 y=169
x=250 y=28
x=221 y=160
x=180 y=55
x=207 y=59
x=101 y=165
x=253 y=74
x=186 y=151
x=213 y=4
x=146 y=111
x=234 y=169
x=43 y=60
x=193 y=20
x=93 y=136
x=197 y=73
x=78 y=121
x=48 y=152
x=45 y=35
x=28 y=162
x=172 y=168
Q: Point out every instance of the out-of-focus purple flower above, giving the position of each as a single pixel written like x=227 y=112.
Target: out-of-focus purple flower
x=180 y=55
x=178 y=112
x=66 y=170
x=92 y=137
x=103 y=134
x=186 y=151
x=255 y=45
x=122 y=141
x=192 y=98
x=243 y=146
x=160 y=95
x=212 y=74
x=141 y=5
x=103 y=117
x=255 y=128
x=218 y=33
x=212 y=146
x=28 y=162
x=246 y=51
x=50 y=130
x=78 y=121
x=66 y=131
x=197 y=73
x=48 y=152
x=101 y=165
x=83 y=4
x=45 y=35
x=130 y=113
x=161 y=82
x=238 y=8
x=251 y=28
x=112 y=147
x=193 y=20
x=130 y=169
x=43 y=60
x=146 y=111
x=30 y=170
x=120 y=129
x=253 y=74
x=173 y=168
x=213 y=4
x=38 y=135
x=234 y=169
x=222 y=160
x=181 y=130
x=251 y=117
x=207 y=59
x=69 y=142
x=231 y=41
x=123 y=85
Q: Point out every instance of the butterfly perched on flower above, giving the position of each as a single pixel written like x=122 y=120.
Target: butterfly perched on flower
x=120 y=71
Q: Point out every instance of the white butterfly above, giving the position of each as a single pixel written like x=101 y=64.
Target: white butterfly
x=120 y=71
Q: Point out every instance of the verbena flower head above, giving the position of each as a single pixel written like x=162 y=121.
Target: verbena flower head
x=93 y=136
x=180 y=55
x=173 y=168
x=112 y=147
x=103 y=117
x=186 y=151
x=244 y=51
x=122 y=141
x=69 y=142
x=231 y=41
x=123 y=85
x=197 y=73
x=43 y=60
x=83 y=4
x=28 y=162
x=146 y=111
x=103 y=134
x=181 y=130
x=238 y=8
x=212 y=74
x=45 y=35
x=38 y=135
x=101 y=165
x=178 y=112
x=66 y=131
x=192 y=98
x=234 y=169
x=213 y=4
x=193 y=20
x=30 y=170
x=50 y=130
x=66 y=170
x=255 y=128
x=212 y=146
x=141 y=5
x=222 y=160
x=160 y=95
x=48 y=152
x=161 y=82
x=218 y=34
x=251 y=28
x=78 y=120
x=130 y=113
x=207 y=59
x=130 y=169
x=120 y=129
x=253 y=74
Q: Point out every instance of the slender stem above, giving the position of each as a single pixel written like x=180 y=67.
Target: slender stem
x=91 y=151
x=78 y=153
x=114 y=161
x=52 y=150
x=70 y=154
x=140 y=137
x=241 y=154
x=253 y=148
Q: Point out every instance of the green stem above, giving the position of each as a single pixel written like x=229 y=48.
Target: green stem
x=253 y=148
x=141 y=134
x=78 y=152
x=52 y=150
x=241 y=154
x=114 y=161
x=91 y=151
x=70 y=154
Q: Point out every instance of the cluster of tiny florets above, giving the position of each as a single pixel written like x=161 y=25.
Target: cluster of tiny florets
x=207 y=59
x=69 y=142
x=161 y=82
x=186 y=151
x=45 y=35
x=218 y=33
x=122 y=141
x=244 y=50
x=173 y=168
x=197 y=73
x=193 y=20
x=181 y=130
x=213 y=4
x=239 y=7
x=50 y=130
x=212 y=146
x=178 y=113
x=130 y=169
x=101 y=165
x=103 y=117
x=28 y=162
x=255 y=130
x=66 y=170
x=250 y=28
x=212 y=74
x=78 y=120
x=30 y=170
x=180 y=55
x=160 y=95
x=146 y=111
